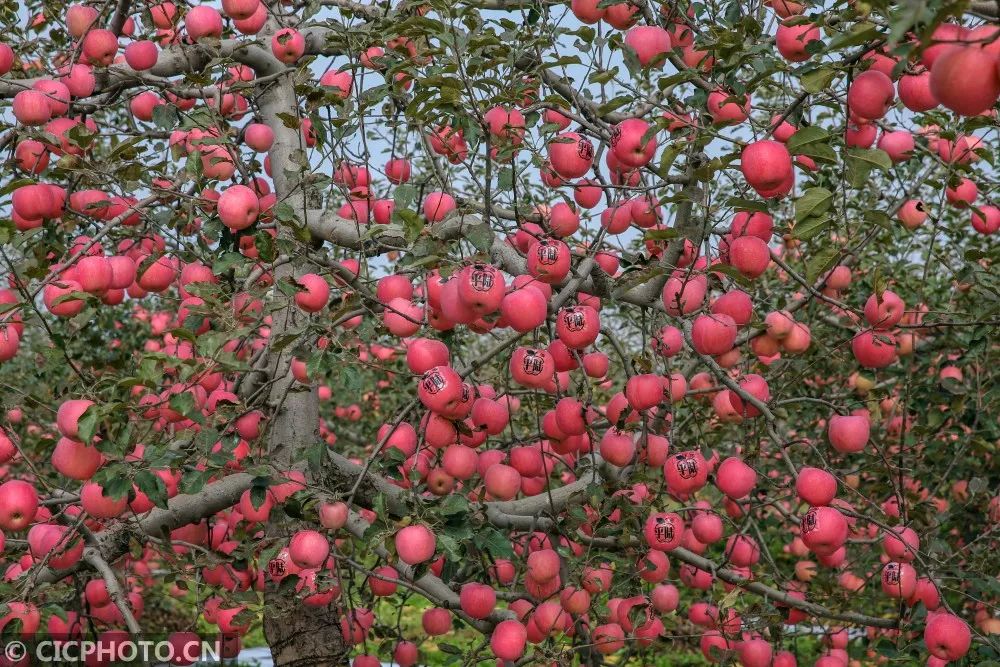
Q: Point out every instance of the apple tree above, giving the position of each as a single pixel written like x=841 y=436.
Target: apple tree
x=503 y=331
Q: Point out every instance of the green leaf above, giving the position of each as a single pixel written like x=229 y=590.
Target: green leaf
x=413 y=224
x=818 y=79
x=284 y=340
x=87 y=424
x=878 y=218
x=732 y=272
x=480 y=236
x=258 y=492
x=193 y=164
x=81 y=136
x=194 y=481
x=374 y=231
x=152 y=486
x=289 y=120
x=615 y=104
x=7 y=230
x=15 y=184
x=746 y=204
x=283 y=212
x=199 y=117
x=123 y=151
x=821 y=262
x=118 y=486
x=860 y=33
x=805 y=136
x=602 y=77
x=634 y=278
x=301 y=232
x=165 y=116
x=886 y=648
x=404 y=195
x=810 y=227
x=954 y=387
x=264 y=243
x=874 y=157
x=293 y=506
x=878 y=283
x=661 y=234
x=227 y=262
x=494 y=542
x=667 y=158
x=376 y=94
x=351 y=378
x=730 y=598
x=454 y=504
x=415 y=260
x=450 y=546
x=814 y=142
x=585 y=33
x=813 y=202
x=183 y=403
x=860 y=163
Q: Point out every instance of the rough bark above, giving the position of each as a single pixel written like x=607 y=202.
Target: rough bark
x=297 y=634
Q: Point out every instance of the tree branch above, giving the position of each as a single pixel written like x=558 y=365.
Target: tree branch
x=94 y=558
x=113 y=543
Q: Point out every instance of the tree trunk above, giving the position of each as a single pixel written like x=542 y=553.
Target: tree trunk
x=297 y=634
x=301 y=636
